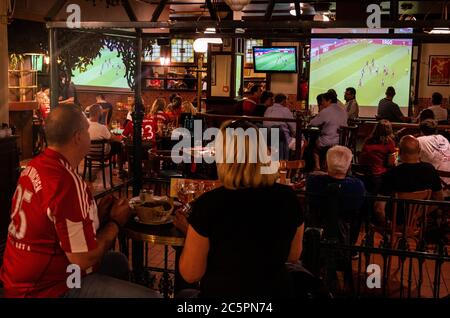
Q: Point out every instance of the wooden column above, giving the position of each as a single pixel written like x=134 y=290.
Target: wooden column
x=54 y=74
x=4 y=62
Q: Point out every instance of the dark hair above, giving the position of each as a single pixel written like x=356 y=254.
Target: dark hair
x=333 y=95
x=279 y=98
x=436 y=98
x=176 y=102
x=265 y=96
x=381 y=133
x=428 y=127
x=426 y=114
x=319 y=98
x=172 y=96
x=255 y=89
x=101 y=95
x=63 y=123
x=327 y=96
x=390 y=91
x=351 y=90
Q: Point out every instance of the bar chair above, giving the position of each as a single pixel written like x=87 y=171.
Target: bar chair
x=347 y=138
x=292 y=167
x=98 y=157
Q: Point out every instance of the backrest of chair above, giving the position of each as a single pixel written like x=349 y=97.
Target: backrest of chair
x=292 y=167
x=414 y=211
x=97 y=150
x=347 y=137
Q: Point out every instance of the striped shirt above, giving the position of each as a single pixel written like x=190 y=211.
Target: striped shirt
x=53 y=213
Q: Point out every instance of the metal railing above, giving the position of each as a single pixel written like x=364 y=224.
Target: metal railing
x=421 y=269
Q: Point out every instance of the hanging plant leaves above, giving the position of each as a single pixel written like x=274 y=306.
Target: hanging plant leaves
x=77 y=49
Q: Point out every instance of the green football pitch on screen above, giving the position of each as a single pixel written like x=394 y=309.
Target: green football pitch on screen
x=107 y=70
x=370 y=66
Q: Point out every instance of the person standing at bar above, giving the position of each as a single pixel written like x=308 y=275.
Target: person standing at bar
x=351 y=105
x=68 y=94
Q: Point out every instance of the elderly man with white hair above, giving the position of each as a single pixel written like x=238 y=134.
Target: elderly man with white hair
x=351 y=192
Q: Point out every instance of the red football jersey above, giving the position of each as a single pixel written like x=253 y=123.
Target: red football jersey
x=149 y=129
x=53 y=213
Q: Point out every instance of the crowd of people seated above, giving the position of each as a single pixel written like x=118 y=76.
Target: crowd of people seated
x=227 y=248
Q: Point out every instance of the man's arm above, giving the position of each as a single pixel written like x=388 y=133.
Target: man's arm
x=105 y=237
x=318 y=120
x=70 y=100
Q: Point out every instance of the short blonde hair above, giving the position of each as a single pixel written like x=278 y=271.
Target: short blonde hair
x=235 y=175
x=339 y=159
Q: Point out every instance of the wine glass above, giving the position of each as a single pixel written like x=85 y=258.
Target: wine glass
x=186 y=196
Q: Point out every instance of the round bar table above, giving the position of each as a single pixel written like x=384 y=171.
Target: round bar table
x=165 y=234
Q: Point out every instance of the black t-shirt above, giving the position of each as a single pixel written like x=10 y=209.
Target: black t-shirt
x=250 y=233
x=69 y=90
x=389 y=110
x=411 y=177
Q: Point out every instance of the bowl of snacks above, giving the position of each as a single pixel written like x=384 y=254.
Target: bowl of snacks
x=155 y=211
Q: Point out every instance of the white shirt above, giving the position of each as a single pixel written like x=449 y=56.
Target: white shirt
x=98 y=131
x=280 y=111
x=331 y=119
x=439 y=112
x=435 y=149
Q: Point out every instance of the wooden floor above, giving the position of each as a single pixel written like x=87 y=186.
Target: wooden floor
x=156 y=259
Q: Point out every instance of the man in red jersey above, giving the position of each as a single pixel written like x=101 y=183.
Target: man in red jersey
x=250 y=103
x=57 y=232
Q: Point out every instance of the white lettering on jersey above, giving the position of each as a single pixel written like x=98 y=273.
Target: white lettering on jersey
x=18 y=230
x=35 y=179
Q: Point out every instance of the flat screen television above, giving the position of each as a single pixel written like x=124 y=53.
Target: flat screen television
x=106 y=71
x=369 y=65
x=275 y=59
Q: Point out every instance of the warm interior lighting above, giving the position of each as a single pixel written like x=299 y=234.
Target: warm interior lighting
x=210 y=30
x=294 y=13
x=201 y=44
x=440 y=31
x=47 y=60
x=164 y=61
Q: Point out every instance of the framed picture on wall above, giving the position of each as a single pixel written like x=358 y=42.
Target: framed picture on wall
x=439 y=70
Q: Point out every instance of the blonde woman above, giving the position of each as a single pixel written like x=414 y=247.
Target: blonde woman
x=241 y=234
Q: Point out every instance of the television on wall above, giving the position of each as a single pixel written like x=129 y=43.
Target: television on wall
x=275 y=59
